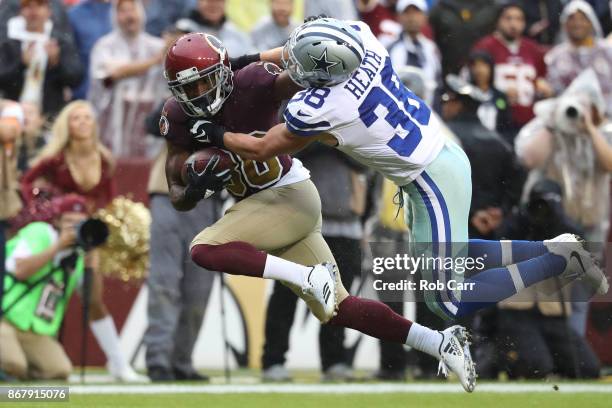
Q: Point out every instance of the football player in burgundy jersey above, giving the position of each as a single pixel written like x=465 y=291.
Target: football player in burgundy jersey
x=275 y=227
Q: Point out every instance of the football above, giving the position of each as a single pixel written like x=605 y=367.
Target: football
x=200 y=159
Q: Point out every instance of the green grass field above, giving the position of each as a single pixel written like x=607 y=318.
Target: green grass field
x=539 y=400
x=376 y=395
x=245 y=390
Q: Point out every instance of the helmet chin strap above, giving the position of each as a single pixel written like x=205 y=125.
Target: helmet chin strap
x=214 y=107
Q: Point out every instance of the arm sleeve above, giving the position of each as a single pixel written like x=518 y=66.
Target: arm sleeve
x=11 y=68
x=34 y=238
x=21 y=251
x=69 y=72
x=100 y=55
x=302 y=119
x=152 y=121
x=553 y=75
x=258 y=78
x=41 y=170
x=174 y=125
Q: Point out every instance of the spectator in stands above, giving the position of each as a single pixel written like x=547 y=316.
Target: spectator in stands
x=209 y=16
x=74 y=161
x=126 y=80
x=380 y=15
x=495 y=112
x=457 y=25
x=497 y=179
x=542 y=18
x=342 y=186
x=340 y=9
x=178 y=288
x=570 y=142
x=11 y=124
x=583 y=48
x=90 y=20
x=11 y=8
x=39 y=62
x=162 y=14
x=273 y=30
x=534 y=338
x=603 y=13
x=33 y=136
x=520 y=70
x=413 y=48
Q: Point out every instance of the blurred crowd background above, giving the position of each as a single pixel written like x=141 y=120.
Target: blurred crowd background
x=524 y=86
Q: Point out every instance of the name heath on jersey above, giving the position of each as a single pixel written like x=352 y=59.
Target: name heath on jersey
x=361 y=79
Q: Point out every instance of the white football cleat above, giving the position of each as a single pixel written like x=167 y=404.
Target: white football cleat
x=455 y=356
x=126 y=374
x=580 y=262
x=320 y=284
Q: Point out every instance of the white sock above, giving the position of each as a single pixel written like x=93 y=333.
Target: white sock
x=424 y=339
x=106 y=334
x=279 y=269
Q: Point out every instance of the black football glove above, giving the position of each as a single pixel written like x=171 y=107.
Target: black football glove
x=313 y=18
x=243 y=60
x=205 y=131
x=203 y=185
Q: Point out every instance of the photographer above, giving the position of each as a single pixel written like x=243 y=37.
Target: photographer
x=44 y=266
x=570 y=142
x=534 y=337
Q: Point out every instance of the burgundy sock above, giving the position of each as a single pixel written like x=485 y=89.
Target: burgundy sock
x=236 y=258
x=373 y=318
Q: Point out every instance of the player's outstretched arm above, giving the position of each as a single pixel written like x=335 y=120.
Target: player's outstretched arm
x=273 y=55
x=278 y=140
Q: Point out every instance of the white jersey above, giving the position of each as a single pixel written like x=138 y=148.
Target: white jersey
x=375 y=118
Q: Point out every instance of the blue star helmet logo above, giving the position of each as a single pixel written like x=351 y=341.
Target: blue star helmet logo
x=322 y=63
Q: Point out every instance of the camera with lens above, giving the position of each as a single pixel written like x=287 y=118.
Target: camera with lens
x=573 y=112
x=91 y=233
x=569 y=114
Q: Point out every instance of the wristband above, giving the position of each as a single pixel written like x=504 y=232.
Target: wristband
x=244 y=60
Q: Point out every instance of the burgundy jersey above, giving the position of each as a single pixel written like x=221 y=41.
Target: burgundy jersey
x=251 y=108
x=519 y=70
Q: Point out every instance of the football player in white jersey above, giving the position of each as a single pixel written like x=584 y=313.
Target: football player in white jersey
x=355 y=102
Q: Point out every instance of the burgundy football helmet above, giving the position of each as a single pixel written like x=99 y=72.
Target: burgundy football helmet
x=199 y=74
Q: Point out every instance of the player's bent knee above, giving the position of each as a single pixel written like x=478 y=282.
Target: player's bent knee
x=201 y=239
x=203 y=255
